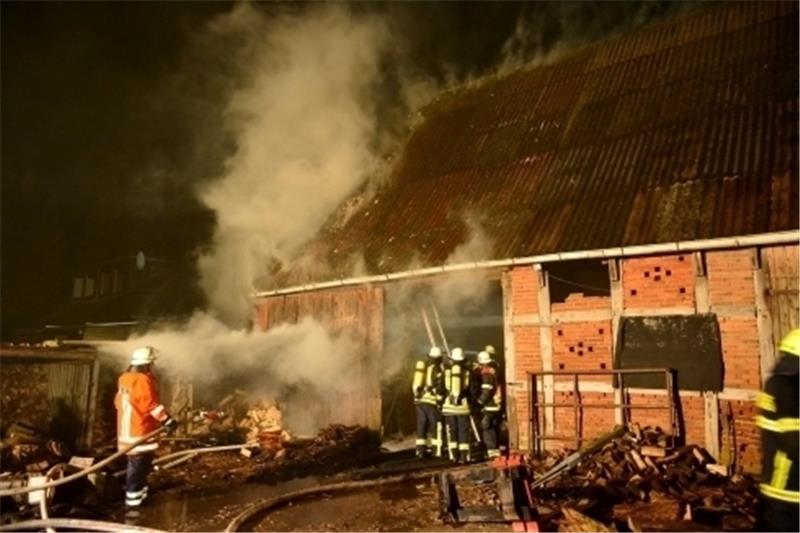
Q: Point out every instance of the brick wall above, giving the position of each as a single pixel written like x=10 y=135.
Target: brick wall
x=741 y=440
x=582 y=346
x=730 y=278
x=525 y=290
x=527 y=351
x=740 y=352
x=658 y=282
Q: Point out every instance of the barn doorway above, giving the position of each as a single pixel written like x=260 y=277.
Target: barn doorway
x=468 y=309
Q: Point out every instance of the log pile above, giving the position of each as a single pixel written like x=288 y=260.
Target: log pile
x=640 y=464
x=241 y=418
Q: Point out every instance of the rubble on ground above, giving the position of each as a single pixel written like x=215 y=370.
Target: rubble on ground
x=638 y=470
x=26 y=449
x=334 y=449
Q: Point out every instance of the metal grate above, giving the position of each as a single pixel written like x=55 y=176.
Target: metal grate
x=538 y=409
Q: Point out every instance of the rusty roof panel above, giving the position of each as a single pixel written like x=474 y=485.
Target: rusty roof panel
x=685 y=130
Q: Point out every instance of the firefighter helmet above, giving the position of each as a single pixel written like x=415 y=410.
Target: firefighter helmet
x=484 y=358
x=791 y=342
x=143 y=356
x=435 y=352
x=457 y=354
x=489 y=349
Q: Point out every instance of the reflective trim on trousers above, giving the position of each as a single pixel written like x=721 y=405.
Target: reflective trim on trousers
x=780 y=425
x=464 y=447
x=493 y=453
x=137 y=494
x=791 y=496
x=421 y=442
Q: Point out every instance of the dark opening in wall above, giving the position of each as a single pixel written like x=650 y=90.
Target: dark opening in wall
x=587 y=276
x=470 y=310
x=690 y=345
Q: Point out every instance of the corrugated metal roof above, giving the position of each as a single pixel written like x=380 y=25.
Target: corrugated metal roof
x=685 y=130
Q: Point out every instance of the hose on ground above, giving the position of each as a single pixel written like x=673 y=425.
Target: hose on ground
x=278 y=501
x=76 y=523
x=85 y=471
x=194 y=451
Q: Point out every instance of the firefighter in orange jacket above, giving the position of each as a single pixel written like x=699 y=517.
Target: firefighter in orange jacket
x=139 y=412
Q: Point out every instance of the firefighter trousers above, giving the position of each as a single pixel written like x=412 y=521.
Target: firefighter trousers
x=458 y=437
x=490 y=424
x=429 y=429
x=139 y=465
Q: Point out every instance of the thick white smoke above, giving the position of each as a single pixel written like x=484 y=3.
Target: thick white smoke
x=304 y=130
x=304 y=127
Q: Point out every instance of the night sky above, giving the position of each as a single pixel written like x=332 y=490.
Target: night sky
x=112 y=116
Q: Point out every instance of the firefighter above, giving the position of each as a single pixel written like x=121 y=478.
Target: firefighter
x=428 y=390
x=456 y=408
x=139 y=412
x=779 y=421
x=490 y=402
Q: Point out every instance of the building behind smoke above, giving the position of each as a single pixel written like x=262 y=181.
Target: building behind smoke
x=639 y=198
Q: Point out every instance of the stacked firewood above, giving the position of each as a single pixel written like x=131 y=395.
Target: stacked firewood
x=264 y=424
x=640 y=463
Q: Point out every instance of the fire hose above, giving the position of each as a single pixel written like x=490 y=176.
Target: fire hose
x=185 y=455
x=85 y=471
x=283 y=499
x=76 y=523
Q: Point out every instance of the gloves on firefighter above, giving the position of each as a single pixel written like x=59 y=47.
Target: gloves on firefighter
x=171 y=424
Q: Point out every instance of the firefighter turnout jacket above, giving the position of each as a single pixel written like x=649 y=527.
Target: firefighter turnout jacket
x=491 y=396
x=428 y=384
x=139 y=410
x=779 y=420
x=456 y=382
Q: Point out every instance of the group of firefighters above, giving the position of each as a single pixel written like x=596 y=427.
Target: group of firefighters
x=456 y=397
x=453 y=399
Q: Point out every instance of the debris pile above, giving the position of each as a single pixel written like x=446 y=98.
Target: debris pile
x=640 y=467
x=240 y=418
x=26 y=449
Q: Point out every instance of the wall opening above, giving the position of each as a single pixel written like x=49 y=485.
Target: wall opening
x=470 y=313
x=571 y=280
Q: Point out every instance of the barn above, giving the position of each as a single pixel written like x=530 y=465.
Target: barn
x=621 y=221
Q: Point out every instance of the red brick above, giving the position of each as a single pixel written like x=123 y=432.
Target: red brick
x=657 y=282
x=730 y=278
x=524 y=290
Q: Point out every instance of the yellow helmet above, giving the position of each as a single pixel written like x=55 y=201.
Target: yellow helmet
x=791 y=343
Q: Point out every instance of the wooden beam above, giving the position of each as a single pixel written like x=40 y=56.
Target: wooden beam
x=615 y=279
x=546 y=346
x=766 y=342
x=510 y=361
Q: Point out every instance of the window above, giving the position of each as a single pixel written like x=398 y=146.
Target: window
x=77 y=287
x=88 y=286
x=576 y=279
x=116 y=283
x=106 y=280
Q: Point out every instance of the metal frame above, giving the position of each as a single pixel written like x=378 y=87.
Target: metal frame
x=537 y=437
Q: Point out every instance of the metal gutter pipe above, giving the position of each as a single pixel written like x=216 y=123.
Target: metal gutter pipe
x=762 y=239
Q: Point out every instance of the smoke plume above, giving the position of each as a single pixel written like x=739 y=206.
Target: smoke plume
x=304 y=127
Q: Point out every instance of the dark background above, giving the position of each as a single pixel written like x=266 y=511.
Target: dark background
x=111 y=116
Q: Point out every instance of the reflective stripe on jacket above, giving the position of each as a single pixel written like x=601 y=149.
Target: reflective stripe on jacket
x=428 y=384
x=139 y=410
x=780 y=429
x=456 y=381
x=491 y=391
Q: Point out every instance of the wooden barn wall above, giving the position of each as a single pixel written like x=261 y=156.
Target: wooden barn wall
x=355 y=311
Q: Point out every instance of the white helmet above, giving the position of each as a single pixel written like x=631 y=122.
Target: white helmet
x=457 y=354
x=489 y=349
x=143 y=356
x=435 y=352
x=484 y=358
